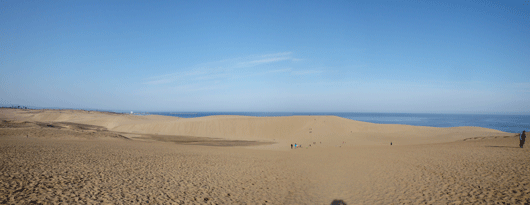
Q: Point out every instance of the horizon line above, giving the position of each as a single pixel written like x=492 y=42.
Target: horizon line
x=301 y=112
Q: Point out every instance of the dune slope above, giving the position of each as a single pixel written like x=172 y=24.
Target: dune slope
x=283 y=131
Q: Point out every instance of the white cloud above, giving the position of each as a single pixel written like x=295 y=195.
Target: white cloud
x=223 y=71
x=264 y=59
x=199 y=73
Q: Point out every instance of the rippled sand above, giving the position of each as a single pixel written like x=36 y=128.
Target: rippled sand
x=68 y=162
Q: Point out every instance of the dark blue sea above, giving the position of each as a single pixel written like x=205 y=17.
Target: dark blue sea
x=506 y=123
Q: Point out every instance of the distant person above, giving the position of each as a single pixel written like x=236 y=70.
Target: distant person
x=390 y=143
x=295 y=145
x=522 y=138
x=291 y=146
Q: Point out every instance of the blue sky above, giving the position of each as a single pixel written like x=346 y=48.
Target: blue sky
x=280 y=56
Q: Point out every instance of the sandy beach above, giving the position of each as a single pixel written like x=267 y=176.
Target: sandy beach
x=73 y=156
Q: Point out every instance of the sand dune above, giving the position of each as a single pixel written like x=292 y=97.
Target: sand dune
x=72 y=157
x=283 y=131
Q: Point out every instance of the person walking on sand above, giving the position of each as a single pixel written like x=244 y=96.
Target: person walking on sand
x=522 y=139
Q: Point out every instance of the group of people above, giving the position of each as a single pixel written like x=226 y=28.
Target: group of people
x=300 y=146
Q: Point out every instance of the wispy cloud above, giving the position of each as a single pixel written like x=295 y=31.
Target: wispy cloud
x=264 y=59
x=222 y=74
x=242 y=72
x=225 y=70
x=198 y=73
x=267 y=60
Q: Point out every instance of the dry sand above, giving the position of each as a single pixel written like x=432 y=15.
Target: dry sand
x=65 y=156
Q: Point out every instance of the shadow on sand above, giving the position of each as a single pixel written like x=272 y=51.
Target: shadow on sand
x=338 y=202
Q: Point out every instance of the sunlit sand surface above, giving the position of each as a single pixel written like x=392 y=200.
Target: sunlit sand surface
x=94 y=157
